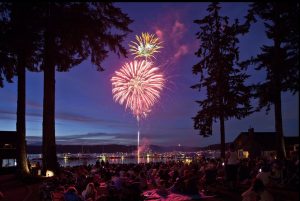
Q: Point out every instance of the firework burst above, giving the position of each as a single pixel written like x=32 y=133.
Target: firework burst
x=146 y=46
x=137 y=85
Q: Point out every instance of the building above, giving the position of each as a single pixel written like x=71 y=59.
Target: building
x=254 y=144
x=8 y=148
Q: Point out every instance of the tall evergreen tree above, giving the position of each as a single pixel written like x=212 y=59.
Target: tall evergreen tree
x=280 y=60
x=226 y=94
x=7 y=72
x=72 y=33
x=20 y=40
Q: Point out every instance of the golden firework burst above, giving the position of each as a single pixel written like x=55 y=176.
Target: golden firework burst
x=146 y=46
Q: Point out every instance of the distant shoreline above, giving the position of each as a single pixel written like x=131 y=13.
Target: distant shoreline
x=113 y=148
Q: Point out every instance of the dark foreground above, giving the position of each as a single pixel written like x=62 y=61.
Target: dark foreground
x=198 y=180
x=14 y=189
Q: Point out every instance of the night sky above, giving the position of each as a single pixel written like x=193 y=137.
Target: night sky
x=87 y=114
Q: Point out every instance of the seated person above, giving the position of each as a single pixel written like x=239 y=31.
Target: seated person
x=264 y=175
x=244 y=173
x=210 y=173
x=276 y=174
x=90 y=192
x=71 y=194
x=162 y=190
x=257 y=192
x=116 y=181
x=177 y=186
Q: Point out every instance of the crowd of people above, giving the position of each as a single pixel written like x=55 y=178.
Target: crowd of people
x=104 y=181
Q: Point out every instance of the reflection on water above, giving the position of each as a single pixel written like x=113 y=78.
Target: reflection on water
x=122 y=160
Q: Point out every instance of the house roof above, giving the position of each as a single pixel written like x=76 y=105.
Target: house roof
x=266 y=140
x=8 y=136
x=291 y=140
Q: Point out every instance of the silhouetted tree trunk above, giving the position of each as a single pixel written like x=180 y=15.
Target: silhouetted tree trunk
x=277 y=94
x=277 y=105
x=21 y=120
x=222 y=131
x=278 y=126
x=49 y=145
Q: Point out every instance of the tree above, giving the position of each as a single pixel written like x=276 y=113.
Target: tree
x=223 y=79
x=280 y=60
x=20 y=53
x=72 y=33
x=6 y=60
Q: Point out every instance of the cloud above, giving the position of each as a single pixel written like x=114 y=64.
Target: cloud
x=100 y=138
x=178 y=27
x=89 y=139
x=171 y=30
x=63 y=116
x=159 y=34
x=178 y=30
x=33 y=104
x=83 y=118
x=182 y=50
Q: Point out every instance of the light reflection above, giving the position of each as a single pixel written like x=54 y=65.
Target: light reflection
x=188 y=161
x=103 y=158
x=148 y=158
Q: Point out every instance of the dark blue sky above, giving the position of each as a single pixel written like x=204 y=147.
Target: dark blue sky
x=87 y=114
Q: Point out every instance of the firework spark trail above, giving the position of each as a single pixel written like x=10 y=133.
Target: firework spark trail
x=137 y=85
x=138 y=147
x=146 y=46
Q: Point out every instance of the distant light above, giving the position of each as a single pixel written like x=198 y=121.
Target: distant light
x=245 y=154
x=223 y=164
x=188 y=161
x=260 y=170
x=103 y=158
x=49 y=173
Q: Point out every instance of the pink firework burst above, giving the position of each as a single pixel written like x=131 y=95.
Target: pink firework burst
x=137 y=85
